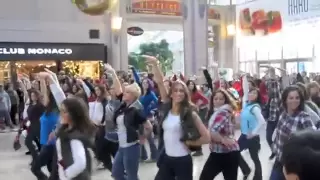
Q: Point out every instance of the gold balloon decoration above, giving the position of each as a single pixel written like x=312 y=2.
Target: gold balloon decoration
x=93 y=7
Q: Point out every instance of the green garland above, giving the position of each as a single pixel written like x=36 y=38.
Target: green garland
x=96 y=10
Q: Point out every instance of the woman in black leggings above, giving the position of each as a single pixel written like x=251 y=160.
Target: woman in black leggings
x=34 y=111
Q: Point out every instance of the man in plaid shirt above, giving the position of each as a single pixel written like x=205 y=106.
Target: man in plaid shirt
x=274 y=93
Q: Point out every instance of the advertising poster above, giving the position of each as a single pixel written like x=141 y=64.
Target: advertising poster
x=265 y=17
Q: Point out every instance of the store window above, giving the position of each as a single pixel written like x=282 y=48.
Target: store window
x=242 y=55
x=248 y=67
x=305 y=50
x=5 y=74
x=83 y=68
x=263 y=68
x=290 y=51
x=32 y=67
x=251 y=55
x=275 y=53
x=262 y=54
x=246 y=54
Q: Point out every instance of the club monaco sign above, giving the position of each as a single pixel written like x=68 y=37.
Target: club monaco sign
x=51 y=51
x=36 y=51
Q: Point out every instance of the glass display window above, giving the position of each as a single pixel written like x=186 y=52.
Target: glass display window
x=83 y=68
x=5 y=73
x=263 y=69
x=275 y=53
x=242 y=55
x=290 y=51
x=248 y=67
x=305 y=50
x=263 y=54
x=31 y=67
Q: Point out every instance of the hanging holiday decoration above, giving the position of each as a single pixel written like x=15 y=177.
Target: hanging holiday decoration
x=94 y=7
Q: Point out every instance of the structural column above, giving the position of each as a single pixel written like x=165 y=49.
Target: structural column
x=118 y=42
x=195 y=29
x=227 y=47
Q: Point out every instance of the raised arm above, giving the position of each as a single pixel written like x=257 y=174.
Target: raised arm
x=43 y=88
x=115 y=80
x=245 y=87
x=54 y=86
x=208 y=78
x=135 y=75
x=23 y=87
x=158 y=76
x=85 y=87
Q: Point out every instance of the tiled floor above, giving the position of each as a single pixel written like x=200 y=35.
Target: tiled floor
x=14 y=165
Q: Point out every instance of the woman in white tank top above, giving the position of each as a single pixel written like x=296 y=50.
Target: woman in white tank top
x=175 y=162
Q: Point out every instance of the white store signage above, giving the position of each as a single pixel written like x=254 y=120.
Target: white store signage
x=36 y=51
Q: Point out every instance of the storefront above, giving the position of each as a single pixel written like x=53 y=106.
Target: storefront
x=79 y=59
x=278 y=33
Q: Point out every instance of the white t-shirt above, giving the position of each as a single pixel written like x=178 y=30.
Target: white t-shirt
x=122 y=133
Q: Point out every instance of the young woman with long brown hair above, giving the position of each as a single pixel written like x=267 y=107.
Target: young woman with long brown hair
x=177 y=112
x=225 y=154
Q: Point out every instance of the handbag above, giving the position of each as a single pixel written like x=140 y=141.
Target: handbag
x=190 y=130
x=16 y=144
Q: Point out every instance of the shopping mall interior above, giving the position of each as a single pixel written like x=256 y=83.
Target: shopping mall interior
x=232 y=42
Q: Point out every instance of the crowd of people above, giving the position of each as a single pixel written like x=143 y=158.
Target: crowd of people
x=115 y=116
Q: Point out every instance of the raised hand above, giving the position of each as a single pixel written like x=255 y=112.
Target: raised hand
x=54 y=76
x=151 y=60
x=108 y=67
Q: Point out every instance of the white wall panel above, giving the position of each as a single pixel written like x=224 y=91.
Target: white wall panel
x=48 y=21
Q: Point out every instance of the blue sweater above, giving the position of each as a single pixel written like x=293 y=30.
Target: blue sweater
x=149 y=102
x=48 y=123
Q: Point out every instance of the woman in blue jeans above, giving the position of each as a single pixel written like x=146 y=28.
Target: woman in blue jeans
x=149 y=101
x=128 y=119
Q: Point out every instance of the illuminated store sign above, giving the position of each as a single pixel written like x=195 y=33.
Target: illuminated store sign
x=51 y=51
x=36 y=51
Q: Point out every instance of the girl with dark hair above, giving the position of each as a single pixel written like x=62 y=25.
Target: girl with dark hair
x=309 y=107
x=34 y=111
x=313 y=90
x=225 y=154
x=48 y=122
x=181 y=129
x=251 y=121
x=98 y=114
x=201 y=102
x=74 y=136
x=292 y=119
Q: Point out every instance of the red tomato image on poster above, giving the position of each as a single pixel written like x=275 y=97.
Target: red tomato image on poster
x=260 y=21
x=274 y=21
